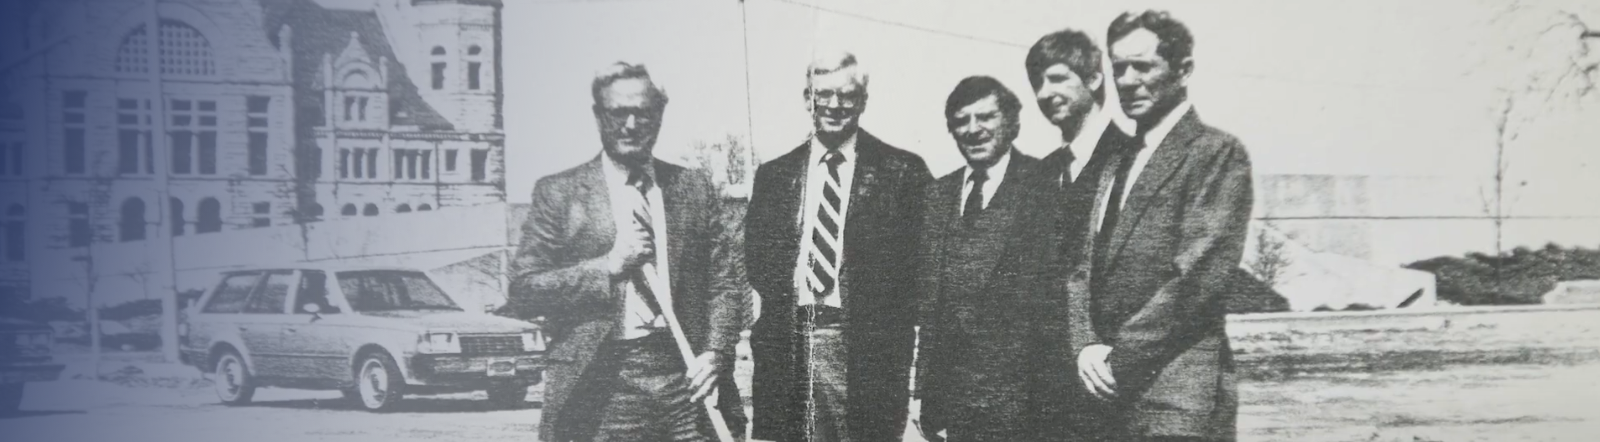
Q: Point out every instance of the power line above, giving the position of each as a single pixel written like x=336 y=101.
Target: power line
x=904 y=25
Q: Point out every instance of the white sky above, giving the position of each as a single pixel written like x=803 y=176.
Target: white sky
x=1375 y=87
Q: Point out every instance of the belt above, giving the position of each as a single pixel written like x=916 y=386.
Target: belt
x=820 y=314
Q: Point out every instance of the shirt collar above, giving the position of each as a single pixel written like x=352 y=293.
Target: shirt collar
x=617 y=173
x=996 y=172
x=847 y=149
x=1158 y=133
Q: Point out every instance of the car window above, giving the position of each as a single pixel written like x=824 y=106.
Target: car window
x=271 y=295
x=313 y=290
x=232 y=293
x=381 y=290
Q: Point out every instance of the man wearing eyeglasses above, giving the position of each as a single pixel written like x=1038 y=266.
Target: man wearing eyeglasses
x=606 y=244
x=829 y=241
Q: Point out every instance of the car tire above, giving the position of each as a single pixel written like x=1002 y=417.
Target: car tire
x=379 y=384
x=508 y=394
x=10 y=397
x=232 y=380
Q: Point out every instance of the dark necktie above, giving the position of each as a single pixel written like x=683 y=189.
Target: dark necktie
x=1113 y=210
x=974 y=204
x=1063 y=165
x=639 y=180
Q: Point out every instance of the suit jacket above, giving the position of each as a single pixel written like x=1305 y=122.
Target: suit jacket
x=559 y=272
x=877 y=280
x=981 y=362
x=1158 y=299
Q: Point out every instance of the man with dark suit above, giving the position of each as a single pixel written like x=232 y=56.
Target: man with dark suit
x=980 y=371
x=606 y=244
x=829 y=242
x=1170 y=213
x=1064 y=69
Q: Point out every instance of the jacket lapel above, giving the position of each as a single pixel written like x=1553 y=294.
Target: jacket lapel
x=677 y=211
x=1164 y=163
x=865 y=184
x=596 y=198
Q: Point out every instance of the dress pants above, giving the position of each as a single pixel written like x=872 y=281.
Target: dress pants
x=826 y=417
x=639 y=392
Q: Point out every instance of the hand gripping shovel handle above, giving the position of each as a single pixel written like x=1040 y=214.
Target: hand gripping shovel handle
x=665 y=300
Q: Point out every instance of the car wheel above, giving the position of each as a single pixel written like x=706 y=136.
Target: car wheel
x=10 y=397
x=508 y=394
x=379 y=383
x=232 y=379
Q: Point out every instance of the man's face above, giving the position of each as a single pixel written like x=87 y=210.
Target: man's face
x=836 y=103
x=1064 y=96
x=982 y=131
x=629 y=118
x=1149 y=85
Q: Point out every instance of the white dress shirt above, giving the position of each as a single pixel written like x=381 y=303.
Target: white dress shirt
x=997 y=173
x=638 y=320
x=1088 y=139
x=1152 y=141
x=816 y=178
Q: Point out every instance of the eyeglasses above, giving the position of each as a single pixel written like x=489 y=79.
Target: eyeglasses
x=828 y=98
x=640 y=116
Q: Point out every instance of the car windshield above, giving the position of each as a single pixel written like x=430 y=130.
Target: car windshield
x=388 y=290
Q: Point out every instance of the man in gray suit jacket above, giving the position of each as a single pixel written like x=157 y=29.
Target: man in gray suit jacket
x=982 y=372
x=1171 y=212
x=606 y=241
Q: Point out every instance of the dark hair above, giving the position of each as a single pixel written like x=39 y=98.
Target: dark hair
x=1176 y=41
x=1067 y=46
x=623 y=71
x=978 y=87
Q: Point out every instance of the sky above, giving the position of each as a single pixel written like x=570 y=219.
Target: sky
x=1367 y=87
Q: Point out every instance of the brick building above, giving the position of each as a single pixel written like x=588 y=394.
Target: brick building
x=241 y=114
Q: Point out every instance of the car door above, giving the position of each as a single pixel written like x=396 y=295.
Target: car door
x=318 y=344
x=221 y=318
x=264 y=318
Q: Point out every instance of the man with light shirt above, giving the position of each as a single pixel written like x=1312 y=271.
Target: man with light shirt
x=1064 y=69
x=606 y=245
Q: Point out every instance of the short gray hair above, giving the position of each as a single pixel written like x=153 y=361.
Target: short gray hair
x=625 y=71
x=831 y=62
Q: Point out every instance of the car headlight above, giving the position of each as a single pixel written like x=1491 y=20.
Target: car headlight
x=438 y=343
x=533 y=341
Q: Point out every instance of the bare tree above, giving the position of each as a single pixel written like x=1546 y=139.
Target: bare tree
x=1541 y=66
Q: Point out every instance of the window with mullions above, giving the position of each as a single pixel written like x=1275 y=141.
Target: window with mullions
x=74 y=155
x=184 y=51
x=133 y=137
x=194 y=136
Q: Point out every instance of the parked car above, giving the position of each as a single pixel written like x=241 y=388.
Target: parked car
x=24 y=357
x=376 y=334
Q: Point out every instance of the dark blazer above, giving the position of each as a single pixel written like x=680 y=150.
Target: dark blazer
x=877 y=279
x=981 y=364
x=559 y=272
x=1158 y=299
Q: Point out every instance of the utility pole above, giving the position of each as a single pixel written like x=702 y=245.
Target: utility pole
x=160 y=245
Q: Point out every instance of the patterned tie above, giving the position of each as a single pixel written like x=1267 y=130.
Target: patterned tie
x=974 y=204
x=640 y=181
x=825 y=239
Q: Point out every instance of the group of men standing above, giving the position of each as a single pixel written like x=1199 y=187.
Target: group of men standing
x=1074 y=297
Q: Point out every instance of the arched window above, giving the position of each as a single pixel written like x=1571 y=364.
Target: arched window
x=370 y=210
x=403 y=208
x=474 y=50
x=184 y=51
x=438 y=68
x=15 y=235
x=348 y=210
x=131 y=225
x=177 y=216
x=210 y=216
x=424 y=208
x=314 y=211
x=474 y=68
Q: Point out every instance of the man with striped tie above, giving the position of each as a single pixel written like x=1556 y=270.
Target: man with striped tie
x=606 y=246
x=829 y=243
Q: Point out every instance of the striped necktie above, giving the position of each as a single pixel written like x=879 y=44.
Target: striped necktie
x=640 y=181
x=825 y=235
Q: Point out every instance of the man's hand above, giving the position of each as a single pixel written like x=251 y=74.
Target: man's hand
x=703 y=375
x=633 y=248
x=1095 y=373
